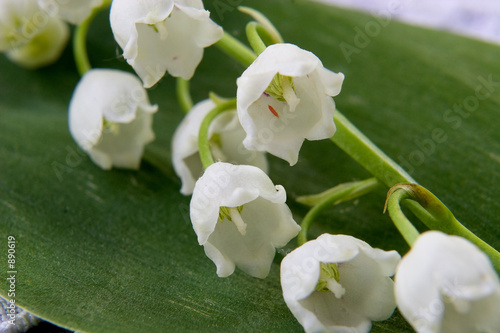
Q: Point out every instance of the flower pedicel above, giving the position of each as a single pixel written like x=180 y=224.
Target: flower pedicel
x=226 y=136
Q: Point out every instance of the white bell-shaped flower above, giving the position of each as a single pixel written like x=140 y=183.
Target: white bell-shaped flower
x=240 y=217
x=72 y=11
x=29 y=36
x=226 y=138
x=339 y=284
x=446 y=284
x=284 y=97
x=110 y=117
x=159 y=36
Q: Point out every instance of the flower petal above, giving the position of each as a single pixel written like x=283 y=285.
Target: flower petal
x=363 y=274
x=305 y=111
x=444 y=278
x=119 y=99
x=157 y=36
x=269 y=222
x=72 y=11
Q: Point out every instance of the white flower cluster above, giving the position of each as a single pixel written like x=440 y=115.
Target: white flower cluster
x=110 y=115
x=240 y=217
x=336 y=283
x=445 y=284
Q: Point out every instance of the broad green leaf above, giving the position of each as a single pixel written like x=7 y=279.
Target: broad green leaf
x=114 y=251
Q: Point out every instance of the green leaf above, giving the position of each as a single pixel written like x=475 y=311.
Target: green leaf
x=114 y=251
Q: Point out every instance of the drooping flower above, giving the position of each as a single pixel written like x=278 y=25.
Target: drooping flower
x=72 y=11
x=240 y=217
x=226 y=136
x=446 y=284
x=283 y=98
x=338 y=283
x=110 y=117
x=160 y=36
x=29 y=36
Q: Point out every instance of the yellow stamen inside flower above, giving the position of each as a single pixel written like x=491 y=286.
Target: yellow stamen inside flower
x=329 y=279
x=233 y=214
x=275 y=88
x=161 y=28
x=109 y=126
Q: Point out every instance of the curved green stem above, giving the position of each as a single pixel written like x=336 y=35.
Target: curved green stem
x=335 y=195
x=438 y=217
x=254 y=38
x=80 y=47
x=203 y=140
x=79 y=41
x=183 y=94
x=405 y=227
x=236 y=49
x=357 y=145
x=352 y=141
x=270 y=31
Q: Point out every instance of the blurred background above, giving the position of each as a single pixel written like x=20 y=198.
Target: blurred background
x=478 y=19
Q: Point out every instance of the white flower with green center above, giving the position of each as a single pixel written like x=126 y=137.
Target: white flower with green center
x=339 y=283
x=240 y=218
x=446 y=284
x=159 y=36
x=226 y=138
x=284 y=97
x=110 y=117
x=28 y=36
x=72 y=11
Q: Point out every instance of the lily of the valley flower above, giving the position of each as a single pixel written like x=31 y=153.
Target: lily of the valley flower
x=226 y=136
x=284 y=97
x=110 y=117
x=338 y=283
x=240 y=217
x=159 y=36
x=72 y=11
x=446 y=284
x=28 y=36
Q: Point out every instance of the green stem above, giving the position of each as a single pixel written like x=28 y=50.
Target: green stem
x=254 y=37
x=366 y=187
x=236 y=49
x=203 y=140
x=405 y=227
x=183 y=95
x=438 y=217
x=335 y=195
x=271 y=33
x=80 y=47
x=79 y=41
x=352 y=141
